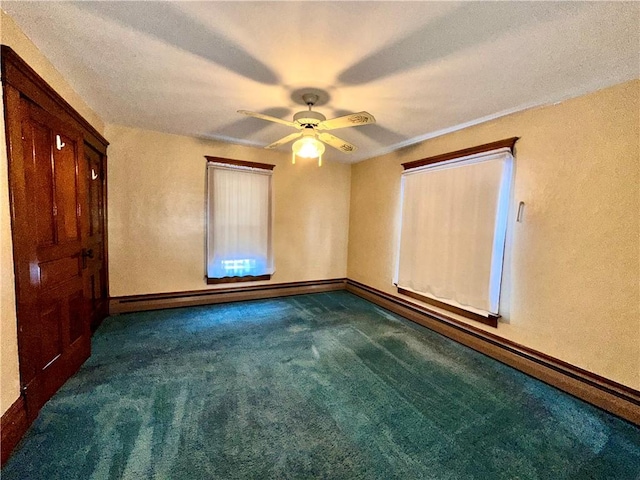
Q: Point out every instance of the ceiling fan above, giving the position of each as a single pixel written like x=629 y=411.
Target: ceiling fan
x=311 y=125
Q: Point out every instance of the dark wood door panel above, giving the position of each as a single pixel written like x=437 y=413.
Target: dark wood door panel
x=55 y=374
x=96 y=207
x=53 y=252
x=53 y=175
x=78 y=321
x=41 y=184
x=48 y=186
x=96 y=271
x=59 y=270
x=50 y=334
x=66 y=161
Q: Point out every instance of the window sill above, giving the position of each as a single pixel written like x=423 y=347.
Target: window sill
x=491 y=319
x=246 y=278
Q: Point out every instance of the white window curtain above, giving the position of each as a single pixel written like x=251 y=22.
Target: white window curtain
x=239 y=221
x=454 y=220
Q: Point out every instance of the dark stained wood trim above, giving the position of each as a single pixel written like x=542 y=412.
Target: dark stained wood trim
x=13 y=426
x=240 y=163
x=487 y=147
x=246 y=278
x=607 y=394
x=105 y=236
x=155 y=301
x=491 y=320
x=16 y=72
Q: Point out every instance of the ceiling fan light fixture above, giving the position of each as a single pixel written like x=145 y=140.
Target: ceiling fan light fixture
x=308 y=147
x=312 y=126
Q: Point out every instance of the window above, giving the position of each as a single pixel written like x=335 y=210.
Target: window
x=239 y=220
x=454 y=221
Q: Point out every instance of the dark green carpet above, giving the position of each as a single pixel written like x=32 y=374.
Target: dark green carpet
x=315 y=386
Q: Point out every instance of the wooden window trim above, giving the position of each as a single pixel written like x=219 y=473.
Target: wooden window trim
x=247 y=278
x=240 y=163
x=465 y=152
x=490 y=319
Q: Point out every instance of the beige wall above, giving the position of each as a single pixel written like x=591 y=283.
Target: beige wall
x=157 y=212
x=571 y=284
x=11 y=35
x=571 y=275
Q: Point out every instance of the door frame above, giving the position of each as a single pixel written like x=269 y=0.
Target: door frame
x=19 y=82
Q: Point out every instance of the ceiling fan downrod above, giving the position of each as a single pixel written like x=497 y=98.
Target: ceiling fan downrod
x=310 y=99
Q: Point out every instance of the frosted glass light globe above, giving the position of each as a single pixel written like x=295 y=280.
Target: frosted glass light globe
x=308 y=147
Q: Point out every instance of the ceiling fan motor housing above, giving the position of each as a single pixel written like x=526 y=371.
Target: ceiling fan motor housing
x=308 y=118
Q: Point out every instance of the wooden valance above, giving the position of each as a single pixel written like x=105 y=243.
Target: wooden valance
x=487 y=147
x=240 y=163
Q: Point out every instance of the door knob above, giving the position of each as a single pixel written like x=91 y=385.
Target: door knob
x=87 y=253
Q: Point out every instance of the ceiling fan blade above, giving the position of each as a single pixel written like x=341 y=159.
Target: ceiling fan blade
x=351 y=120
x=268 y=118
x=284 y=140
x=338 y=143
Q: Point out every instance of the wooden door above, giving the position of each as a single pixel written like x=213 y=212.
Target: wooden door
x=50 y=222
x=94 y=243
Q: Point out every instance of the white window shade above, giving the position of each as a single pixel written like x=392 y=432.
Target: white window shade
x=454 y=219
x=239 y=222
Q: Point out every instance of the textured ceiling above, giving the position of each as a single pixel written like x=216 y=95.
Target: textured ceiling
x=421 y=68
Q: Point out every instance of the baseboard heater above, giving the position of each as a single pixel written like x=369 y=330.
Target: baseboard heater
x=607 y=394
x=156 y=301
